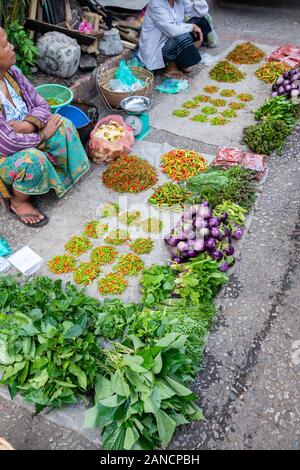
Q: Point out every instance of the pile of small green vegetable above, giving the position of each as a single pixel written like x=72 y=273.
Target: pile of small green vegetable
x=276 y=120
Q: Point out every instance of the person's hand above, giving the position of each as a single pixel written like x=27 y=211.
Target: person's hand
x=22 y=127
x=51 y=127
x=197 y=33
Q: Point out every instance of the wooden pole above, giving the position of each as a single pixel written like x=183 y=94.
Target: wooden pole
x=32 y=14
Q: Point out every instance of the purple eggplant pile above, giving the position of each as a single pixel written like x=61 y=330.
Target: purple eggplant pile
x=199 y=231
x=288 y=85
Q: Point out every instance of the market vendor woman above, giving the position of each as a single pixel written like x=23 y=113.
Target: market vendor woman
x=38 y=151
x=167 y=41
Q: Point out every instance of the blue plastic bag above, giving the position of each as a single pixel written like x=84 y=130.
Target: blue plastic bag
x=127 y=78
x=172 y=86
x=4 y=248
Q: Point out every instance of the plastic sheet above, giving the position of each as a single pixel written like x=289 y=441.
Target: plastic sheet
x=125 y=81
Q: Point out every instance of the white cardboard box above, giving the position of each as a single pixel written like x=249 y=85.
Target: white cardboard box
x=26 y=261
x=4 y=265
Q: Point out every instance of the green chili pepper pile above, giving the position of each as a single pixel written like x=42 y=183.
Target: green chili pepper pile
x=236 y=105
x=190 y=105
x=86 y=273
x=209 y=110
x=62 y=264
x=199 y=118
x=103 y=255
x=181 y=113
x=245 y=97
x=111 y=209
x=130 y=174
x=218 y=102
x=142 y=246
x=112 y=284
x=152 y=225
x=117 y=237
x=168 y=195
x=219 y=121
x=130 y=218
x=270 y=71
x=229 y=113
x=226 y=72
x=78 y=245
x=211 y=89
x=130 y=265
x=202 y=99
x=95 y=229
x=227 y=93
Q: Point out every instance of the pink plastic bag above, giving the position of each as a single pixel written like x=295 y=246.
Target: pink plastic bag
x=104 y=151
x=287 y=53
x=228 y=157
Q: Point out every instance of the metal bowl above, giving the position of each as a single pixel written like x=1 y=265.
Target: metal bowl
x=136 y=104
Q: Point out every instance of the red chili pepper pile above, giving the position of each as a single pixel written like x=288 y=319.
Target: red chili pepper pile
x=86 y=273
x=270 y=71
x=62 y=264
x=130 y=265
x=103 y=255
x=246 y=53
x=181 y=165
x=113 y=283
x=130 y=174
x=78 y=245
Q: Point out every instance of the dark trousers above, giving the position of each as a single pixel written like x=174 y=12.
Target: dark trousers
x=181 y=49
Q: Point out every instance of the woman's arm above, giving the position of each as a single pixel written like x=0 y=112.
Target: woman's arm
x=195 y=8
x=12 y=142
x=166 y=23
x=39 y=112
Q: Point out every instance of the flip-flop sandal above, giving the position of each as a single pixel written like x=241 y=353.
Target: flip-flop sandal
x=20 y=217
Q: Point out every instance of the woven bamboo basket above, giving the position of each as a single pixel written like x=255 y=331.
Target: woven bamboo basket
x=112 y=99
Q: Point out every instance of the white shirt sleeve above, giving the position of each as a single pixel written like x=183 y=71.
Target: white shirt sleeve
x=163 y=21
x=195 y=8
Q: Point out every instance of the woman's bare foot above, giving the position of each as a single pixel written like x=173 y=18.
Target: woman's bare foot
x=187 y=70
x=172 y=71
x=26 y=211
